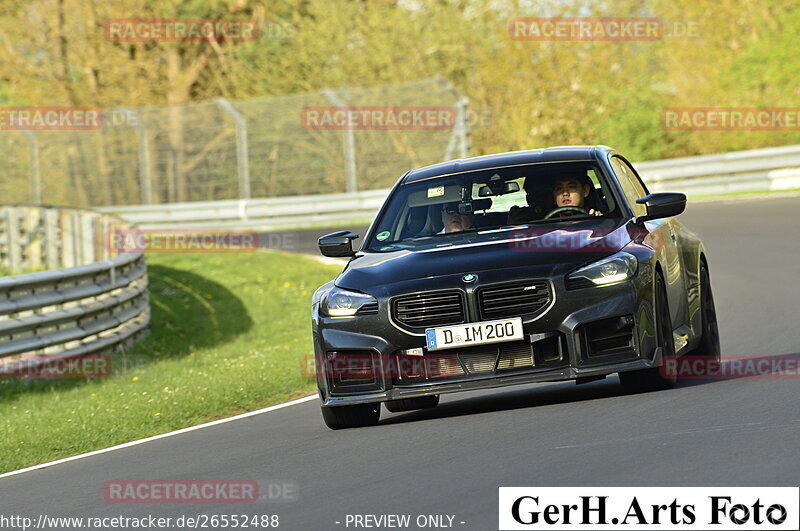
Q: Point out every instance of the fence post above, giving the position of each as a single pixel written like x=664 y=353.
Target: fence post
x=350 y=178
x=145 y=180
x=242 y=156
x=14 y=243
x=35 y=178
x=33 y=237
x=51 y=238
x=463 y=128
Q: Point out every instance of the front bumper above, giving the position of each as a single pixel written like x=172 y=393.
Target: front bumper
x=580 y=323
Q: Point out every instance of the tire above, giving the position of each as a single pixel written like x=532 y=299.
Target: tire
x=652 y=379
x=709 y=339
x=357 y=416
x=410 y=404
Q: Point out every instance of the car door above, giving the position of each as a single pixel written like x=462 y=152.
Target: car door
x=666 y=232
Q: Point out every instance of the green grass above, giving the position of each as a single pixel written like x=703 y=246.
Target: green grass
x=229 y=334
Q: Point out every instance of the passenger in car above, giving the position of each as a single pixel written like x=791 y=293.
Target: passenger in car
x=453 y=220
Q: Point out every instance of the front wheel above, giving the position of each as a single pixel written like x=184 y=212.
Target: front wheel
x=359 y=415
x=709 y=338
x=654 y=378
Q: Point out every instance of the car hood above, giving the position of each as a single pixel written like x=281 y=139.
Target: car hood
x=552 y=249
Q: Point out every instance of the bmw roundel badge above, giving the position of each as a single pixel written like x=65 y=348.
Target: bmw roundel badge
x=469 y=277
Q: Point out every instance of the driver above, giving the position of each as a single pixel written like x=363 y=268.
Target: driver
x=453 y=220
x=571 y=191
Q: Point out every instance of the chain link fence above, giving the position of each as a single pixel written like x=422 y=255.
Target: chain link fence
x=224 y=149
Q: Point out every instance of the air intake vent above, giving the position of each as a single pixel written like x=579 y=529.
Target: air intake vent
x=369 y=309
x=423 y=310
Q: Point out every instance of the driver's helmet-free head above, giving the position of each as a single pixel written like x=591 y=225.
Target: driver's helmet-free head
x=582 y=179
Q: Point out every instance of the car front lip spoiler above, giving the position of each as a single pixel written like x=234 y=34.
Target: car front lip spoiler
x=490 y=382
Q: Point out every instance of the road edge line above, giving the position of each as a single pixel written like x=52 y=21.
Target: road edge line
x=160 y=436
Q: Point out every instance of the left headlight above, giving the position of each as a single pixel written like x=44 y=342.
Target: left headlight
x=344 y=303
x=616 y=268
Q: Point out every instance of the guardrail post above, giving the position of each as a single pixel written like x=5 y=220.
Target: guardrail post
x=242 y=156
x=350 y=177
x=35 y=177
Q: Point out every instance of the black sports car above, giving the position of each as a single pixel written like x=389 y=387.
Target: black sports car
x=529 y=266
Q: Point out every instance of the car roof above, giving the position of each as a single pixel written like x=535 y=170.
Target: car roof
x=511 y=158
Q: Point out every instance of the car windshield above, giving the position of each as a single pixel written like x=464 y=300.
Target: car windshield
x=483 y=205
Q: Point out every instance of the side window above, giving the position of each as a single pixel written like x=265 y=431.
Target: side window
x=630 y=185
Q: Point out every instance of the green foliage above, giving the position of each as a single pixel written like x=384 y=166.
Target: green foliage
x=527 y=93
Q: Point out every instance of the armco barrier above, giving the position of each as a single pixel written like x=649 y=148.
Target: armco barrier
x=742 y=171
x=98 y=304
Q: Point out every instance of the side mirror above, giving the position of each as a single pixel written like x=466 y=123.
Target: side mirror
x=662 y=205
x=337 y=244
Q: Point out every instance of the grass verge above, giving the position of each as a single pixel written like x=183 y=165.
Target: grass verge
x=229 y=334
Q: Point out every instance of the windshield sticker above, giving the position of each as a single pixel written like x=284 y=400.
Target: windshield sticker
x=436 y=192
x=382 y=236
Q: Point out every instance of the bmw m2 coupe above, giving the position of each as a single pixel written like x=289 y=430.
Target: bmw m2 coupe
x=530 y=266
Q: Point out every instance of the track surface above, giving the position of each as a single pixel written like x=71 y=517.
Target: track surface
x=451 y=460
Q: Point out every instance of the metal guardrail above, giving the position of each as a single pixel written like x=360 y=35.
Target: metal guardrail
x=74 y=311
x=272 y=213
x=742 y=171
x=768 y=169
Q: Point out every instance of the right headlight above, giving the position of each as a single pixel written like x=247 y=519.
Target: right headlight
x=344 y=303
x=612 y=270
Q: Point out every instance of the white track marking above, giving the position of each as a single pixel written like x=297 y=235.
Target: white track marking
x=161 y=436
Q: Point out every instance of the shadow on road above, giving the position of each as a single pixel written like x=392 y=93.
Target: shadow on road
x=567 y=392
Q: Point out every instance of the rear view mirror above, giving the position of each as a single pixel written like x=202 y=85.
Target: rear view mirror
x=662 y=205
x=498 y=189
x=337 y=244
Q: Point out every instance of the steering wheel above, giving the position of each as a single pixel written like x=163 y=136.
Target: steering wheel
x=559 y=210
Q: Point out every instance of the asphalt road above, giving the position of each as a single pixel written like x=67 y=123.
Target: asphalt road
x=451 y=460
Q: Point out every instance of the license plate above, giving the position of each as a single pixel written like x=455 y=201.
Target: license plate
x=474 y=334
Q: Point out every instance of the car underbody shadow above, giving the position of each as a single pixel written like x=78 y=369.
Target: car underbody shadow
x=738 y=369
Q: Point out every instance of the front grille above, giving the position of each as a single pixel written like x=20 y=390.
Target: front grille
x=423 y=310
x=508 y=300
